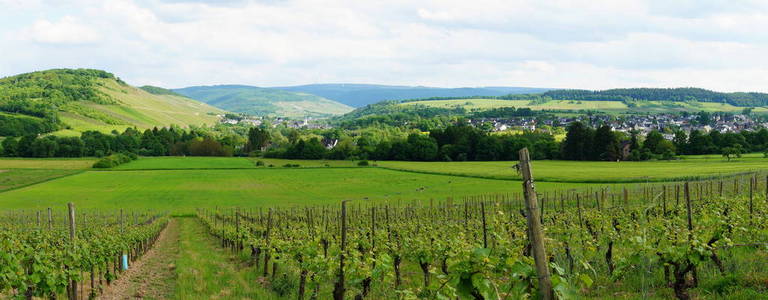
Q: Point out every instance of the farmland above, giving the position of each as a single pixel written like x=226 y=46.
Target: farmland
x=16 y=173
x=182 y=184
x=214 y=199
x=185 y=190
x=604 y=106
x=595 y=172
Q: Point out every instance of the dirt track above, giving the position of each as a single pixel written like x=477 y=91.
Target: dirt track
x=152 y=276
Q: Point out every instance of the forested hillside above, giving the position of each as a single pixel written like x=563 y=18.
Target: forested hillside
x=359 y=95
x=668 y=94
x=264 y=101
x=84 y=99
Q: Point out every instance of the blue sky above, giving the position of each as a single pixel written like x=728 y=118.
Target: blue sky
x=594 y=44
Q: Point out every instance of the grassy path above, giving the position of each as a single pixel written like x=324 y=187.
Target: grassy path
x=187 y=263
x=152 y=276
x=206 y=271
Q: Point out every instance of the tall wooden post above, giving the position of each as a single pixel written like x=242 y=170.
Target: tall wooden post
x=626 y=197
x=688 y=208
x=50 y=219
x=534 y=227
x=338 y=289
x=266 y=238
x=72 y=283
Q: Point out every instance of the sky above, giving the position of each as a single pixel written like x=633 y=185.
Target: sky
x=589 y=44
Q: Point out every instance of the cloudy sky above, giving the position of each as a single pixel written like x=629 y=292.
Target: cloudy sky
x=595 y=44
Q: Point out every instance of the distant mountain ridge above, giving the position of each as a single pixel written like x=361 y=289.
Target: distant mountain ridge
x=359 y=95
x=264 y=101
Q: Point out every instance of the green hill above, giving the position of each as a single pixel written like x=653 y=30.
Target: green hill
x=471 y=105
x=265 y=101
x=69 y=101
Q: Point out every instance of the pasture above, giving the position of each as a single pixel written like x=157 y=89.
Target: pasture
x=46 y=163
x=182 y=184
x=181 y=162
x=690 y=167
x=186 y=190
x=19 y=172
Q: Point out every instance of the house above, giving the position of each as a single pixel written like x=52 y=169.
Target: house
x=329 y=143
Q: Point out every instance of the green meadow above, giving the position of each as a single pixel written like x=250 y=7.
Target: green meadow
x=690 y=167
x=182 y=184
x=19 y=172
x=186 y=190
x=180 y=162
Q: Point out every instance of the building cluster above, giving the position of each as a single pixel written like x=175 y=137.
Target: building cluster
x=247 y=120
x=643 y=124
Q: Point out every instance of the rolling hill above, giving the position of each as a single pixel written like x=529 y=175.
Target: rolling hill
x=69 y=101
x=605 y=106
x=359 y=95
x=265 y=101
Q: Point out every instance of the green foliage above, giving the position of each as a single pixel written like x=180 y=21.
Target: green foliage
x=42 y=94
x=661 y=94
x=258 y=139
x=264 y=101
x=391 y=113
x=18 y=125
x=41 y=263
x=734 y=151
x=114 y=160
x=159 y=91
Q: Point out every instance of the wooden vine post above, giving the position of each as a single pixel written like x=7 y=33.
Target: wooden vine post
x=50 y=219
x=72 y=283
x=536 y=235
x=266 y=238
x=338 y=289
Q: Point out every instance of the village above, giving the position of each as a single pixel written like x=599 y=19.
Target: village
x=667 y=124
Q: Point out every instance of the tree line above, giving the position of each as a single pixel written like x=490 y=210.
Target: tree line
x=586 y=143
x=171 y=141
x=628 y=95
x=456 y=142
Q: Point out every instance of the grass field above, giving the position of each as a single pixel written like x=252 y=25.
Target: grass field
x=606 y=106
x=181 y=184
x=14 y=178
x=595 y=172
x=178 y=162
x=46 y=163
x=19 y=172
x=185 y=190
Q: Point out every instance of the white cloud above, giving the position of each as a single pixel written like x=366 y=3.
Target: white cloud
x=559 y=43
x=67 y=30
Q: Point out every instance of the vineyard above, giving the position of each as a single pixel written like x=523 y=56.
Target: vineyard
x=704 y=239
x=666 y=239
x=52 y=253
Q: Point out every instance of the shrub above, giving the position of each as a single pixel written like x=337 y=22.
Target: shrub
x=259 y=163
x=114 y=160
x=363 y=163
